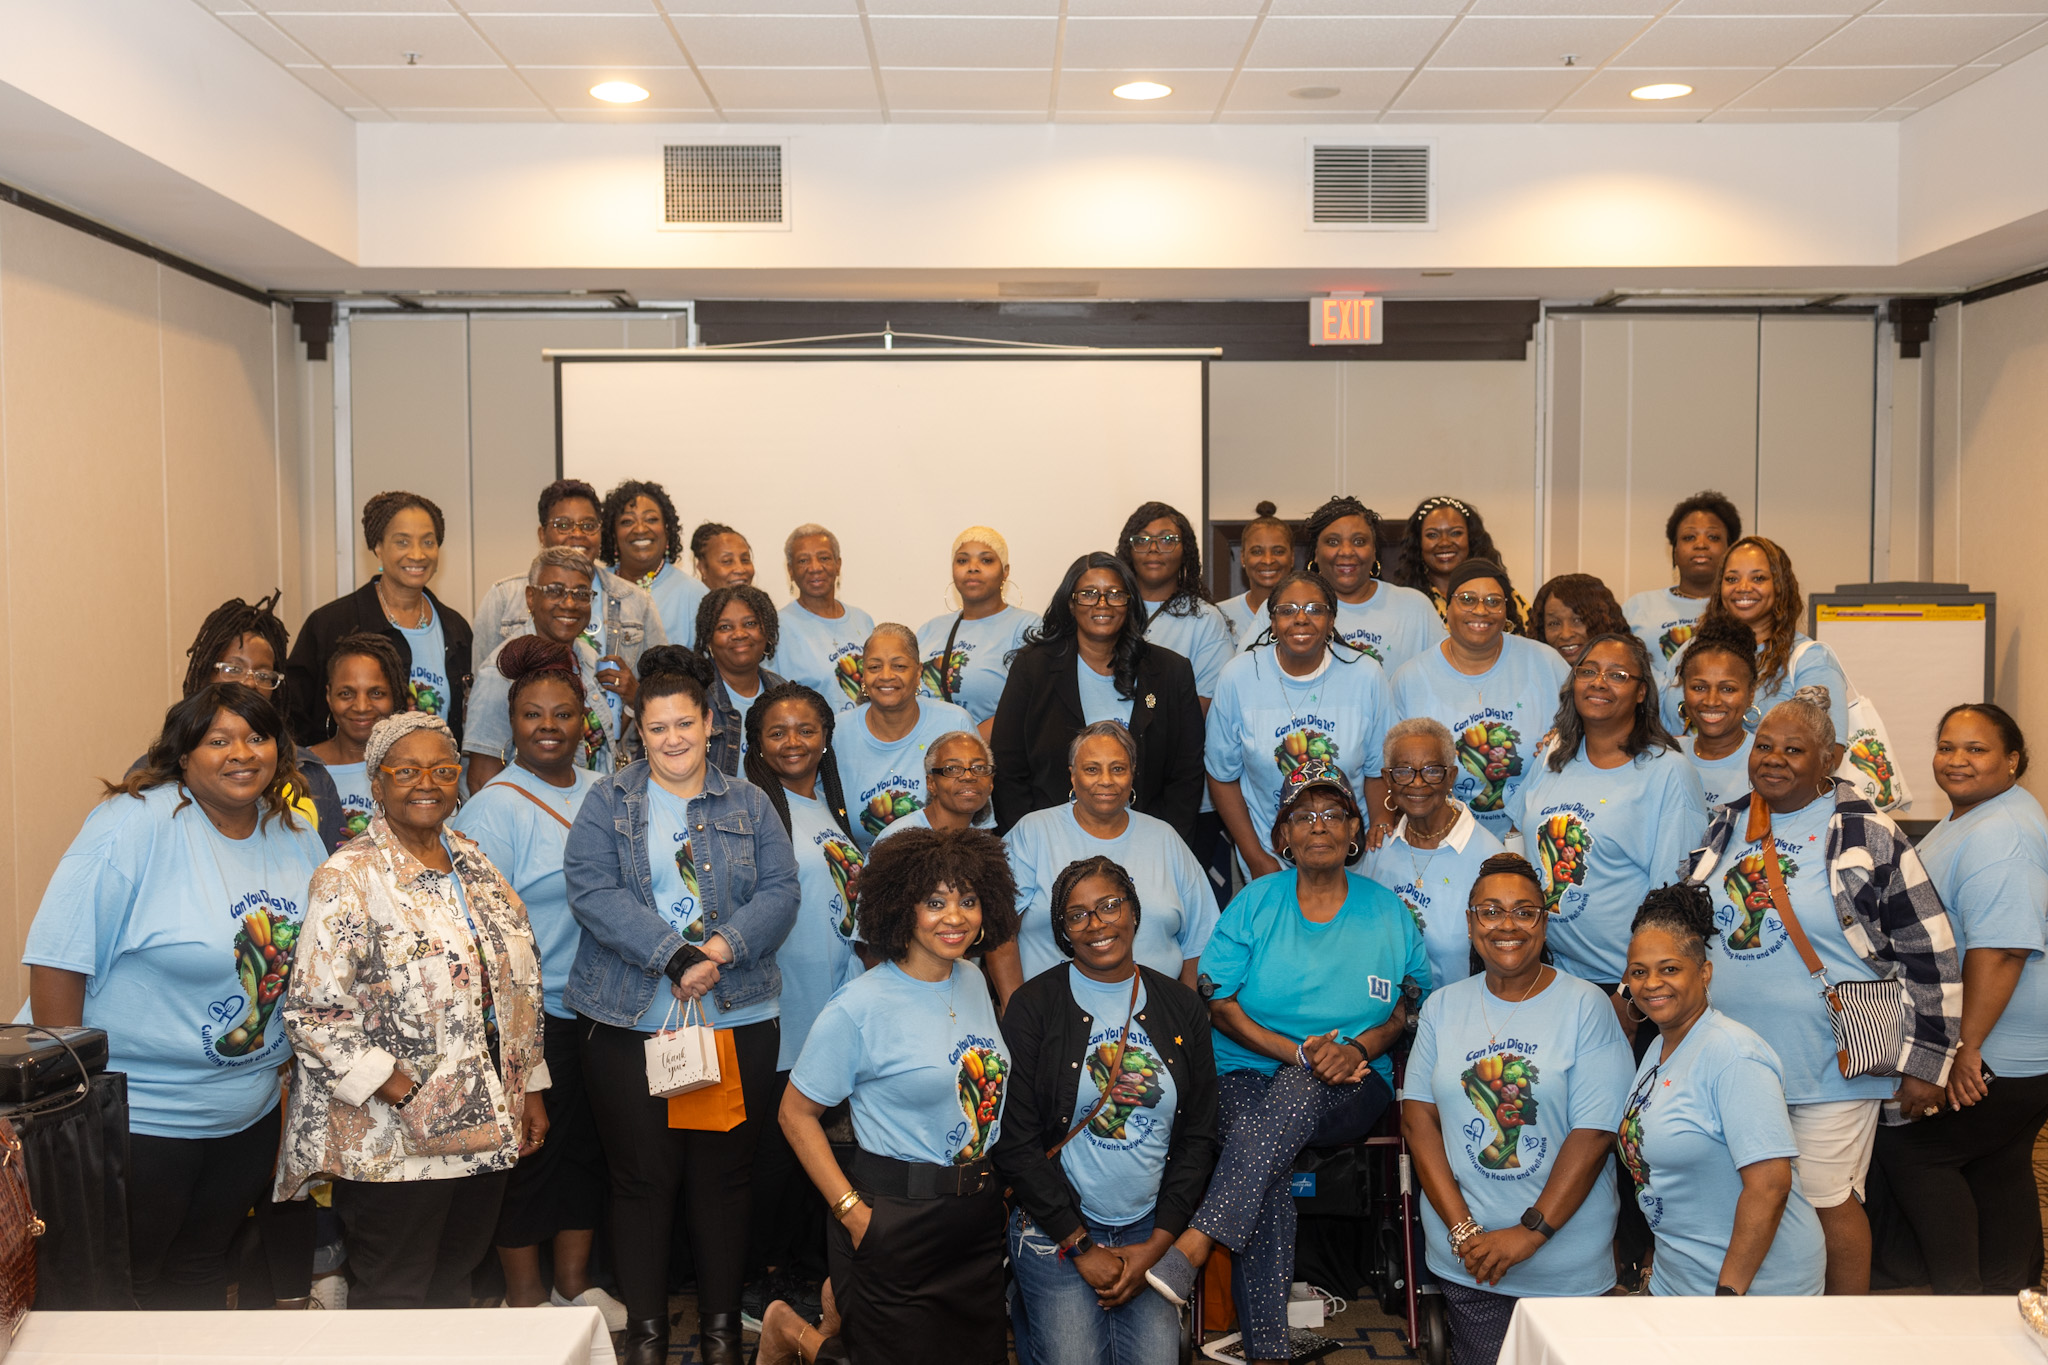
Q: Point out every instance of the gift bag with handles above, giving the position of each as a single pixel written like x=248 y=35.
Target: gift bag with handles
x=684 y=1057
x=718 y=1108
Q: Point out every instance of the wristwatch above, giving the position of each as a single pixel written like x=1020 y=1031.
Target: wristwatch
x=1726 y=1291
x=1079 y=1247
x=1532 y=1219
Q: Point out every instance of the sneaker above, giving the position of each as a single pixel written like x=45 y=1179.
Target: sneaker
x=331 y=1292
x=1173 y=1275
x=614 y=1312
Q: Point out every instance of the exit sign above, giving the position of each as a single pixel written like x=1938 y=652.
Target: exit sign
x=1345 y=320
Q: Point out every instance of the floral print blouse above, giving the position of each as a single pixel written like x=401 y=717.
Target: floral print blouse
x=387 y=975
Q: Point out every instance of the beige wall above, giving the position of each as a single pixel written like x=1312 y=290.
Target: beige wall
x=145 y=477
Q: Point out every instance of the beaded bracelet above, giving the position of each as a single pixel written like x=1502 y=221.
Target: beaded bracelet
x=1463 y=1233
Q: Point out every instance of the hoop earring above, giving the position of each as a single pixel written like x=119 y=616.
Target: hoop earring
x=980 y=936
x=1352 y=850
x=1388 y=802
x=1287 y=854
x=1822 y=789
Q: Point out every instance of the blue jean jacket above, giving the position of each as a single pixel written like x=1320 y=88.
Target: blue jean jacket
x=746 y=883
x=723 y=752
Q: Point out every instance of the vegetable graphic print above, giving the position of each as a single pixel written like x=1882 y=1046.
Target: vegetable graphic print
x=1562 y=844
x=981 y=1098
x=948 y=686
x=1869 y=755
x=594 y=738
x=1133 y=1086
x=1503 y=1089
x=885 y=808
x=1631 y=1137
x=686 y=868
x=1490 y=752
x=1749 y=888
x=427 y=698
x=1673 y=640
x=263 y=963
x=844 y=862
x=1301 y=747
x=846 y=672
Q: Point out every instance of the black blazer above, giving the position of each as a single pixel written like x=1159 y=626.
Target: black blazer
x=305 y=672
x=1040 y=714
x=1048 y=1038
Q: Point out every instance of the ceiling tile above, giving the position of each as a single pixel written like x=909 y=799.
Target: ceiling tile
x=1937 y=90
x=871 y=115
x=347 y=7
x=1356 y=90
x=483 y=7
x=1366 y=8
x=955 y=41
x=1640 y=114
x=798 y=88
x=1528 y=41
x=680 y=8
x=1501 y=89
x=637 y=114
x=581 y=39
x=1187 y=44
x=978 y=8
x=2034 y=7
x=966 y=115
x=266 y=38
x=1742 y=40
x=1924 y=40
x=534 y=115
x=1692 y=8
x=1837 y=87
x=1461 y=116
x=1128 y=115
x=568 y=87
x=2019 y=47
x=426 y=87
x=329 y=86
x=1712 y=87
x=774 y=41
x=1789 y=115
x=1891 y=115
x=1348 y=118
x=1382 y=41
x=1567 y=7
x=1156 y=8
x=928 y=88
x=1193 y=91
x=384 y=39
x=226 y=6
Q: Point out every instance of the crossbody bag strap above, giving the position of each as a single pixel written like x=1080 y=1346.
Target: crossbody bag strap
x=1760 y=828
x=514 y=786
x=946 y=659
x=1115 y=1066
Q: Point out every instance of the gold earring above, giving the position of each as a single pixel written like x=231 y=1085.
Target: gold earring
x=980 y=936
x=1388 y=802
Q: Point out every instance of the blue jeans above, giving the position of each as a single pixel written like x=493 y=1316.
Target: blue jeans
x=1057 y=1319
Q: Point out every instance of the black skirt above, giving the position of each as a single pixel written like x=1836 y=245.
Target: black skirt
x=925 y=1286
x=561 y=1187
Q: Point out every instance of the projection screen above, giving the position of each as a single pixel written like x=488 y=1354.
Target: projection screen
x=896 y=453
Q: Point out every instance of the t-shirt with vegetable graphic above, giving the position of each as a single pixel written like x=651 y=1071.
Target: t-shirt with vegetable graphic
x=1749 y=890
x=264 y=947
x=1674 y=639
x=885 y=807
x=1503 y=1089
x=1131 y=1082
x=426 y=696
x=948 y=686
x=1563 y=843
x=1490 y=750
x=1299 y=747
x=846 y=672
x=596 y=741
x=1631 y=1134
x=981 y=1077
x=686 y=912
x=843 y=860
x=1868 y=753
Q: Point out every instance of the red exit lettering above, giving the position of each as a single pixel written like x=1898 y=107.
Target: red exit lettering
x=1344 y=321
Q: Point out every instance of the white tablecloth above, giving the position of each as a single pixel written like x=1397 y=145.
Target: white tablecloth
x=1723 y=1331
x=500 y=1336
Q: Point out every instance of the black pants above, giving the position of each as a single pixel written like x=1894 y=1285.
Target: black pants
x=1633 y=1240
x=788 y=1229
x=561 y=1187
x=925 y=1285
x=1215 y=852
x=1964 y=1181
x=651 y=1163
x=414 y=1243
x=187 y=1198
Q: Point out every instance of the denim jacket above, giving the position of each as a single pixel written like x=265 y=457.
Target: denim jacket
x=502 y=614
x=746 y=882
x=727 y=720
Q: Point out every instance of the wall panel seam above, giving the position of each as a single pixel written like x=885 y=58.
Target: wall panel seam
x=163 y=435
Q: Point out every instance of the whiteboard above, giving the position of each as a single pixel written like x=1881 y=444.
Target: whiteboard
x=896 y=456
x=1914 y=660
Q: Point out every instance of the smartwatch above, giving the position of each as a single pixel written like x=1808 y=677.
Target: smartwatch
x=1722 y=1291
x=1532 y=1219
x=1081 y=1247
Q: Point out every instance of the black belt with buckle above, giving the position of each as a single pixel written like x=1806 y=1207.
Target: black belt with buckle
x=919 y=1179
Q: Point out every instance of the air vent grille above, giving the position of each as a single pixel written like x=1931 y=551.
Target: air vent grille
x=1370 y=186
x=722 y=183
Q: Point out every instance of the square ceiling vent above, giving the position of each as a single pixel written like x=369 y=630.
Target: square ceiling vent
x=723 y=186
x=1378 y=186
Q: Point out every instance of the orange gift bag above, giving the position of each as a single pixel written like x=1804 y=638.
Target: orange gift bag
x=719 y=1107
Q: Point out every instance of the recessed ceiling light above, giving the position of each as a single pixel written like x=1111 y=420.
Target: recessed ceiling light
x=1660 y=92
x=1142 y=90
x=1315 y=92
x=618 y=92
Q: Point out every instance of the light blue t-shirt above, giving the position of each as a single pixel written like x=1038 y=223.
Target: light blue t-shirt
x=525 y=843
x=1436 y=886
x=824 y=655
x=1510 y=1083
x=1663 y=620
x=1759 y=979
x=817 y=958
x=1264 y=723
x=186 y=939
x=1991 y=868
x=489 y=728
x=885 y=781
x=1116 y=1163
x=676 y=595
x=1811 y=664
x=1100 y=700
x=1177 y=910
x=1721 y=779
x=674 y=863
x=1202 y=638
x=428 y=680
x=1691 y=1123
x=1601 y=838
x=353 y=784
x=980 y=662
x=1393 y=625
x=923 y=1061
x=1245 y=624
x=1495 y=718
x=1298 y=978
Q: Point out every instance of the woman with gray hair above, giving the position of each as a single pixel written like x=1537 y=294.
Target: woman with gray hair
x=1180 y=910
x=1433 y=857
x=959 y=782
x=414 y=1014
x=885 y=746
x=821 y=635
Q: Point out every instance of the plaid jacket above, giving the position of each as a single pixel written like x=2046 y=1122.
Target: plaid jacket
x=1890 y=913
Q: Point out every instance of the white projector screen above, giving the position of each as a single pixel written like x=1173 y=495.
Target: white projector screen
x=896 y=456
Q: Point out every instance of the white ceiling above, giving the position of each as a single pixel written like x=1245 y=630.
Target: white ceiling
x=1031 y=61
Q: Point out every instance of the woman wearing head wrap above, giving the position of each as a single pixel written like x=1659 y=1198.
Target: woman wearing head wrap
x=967 y=652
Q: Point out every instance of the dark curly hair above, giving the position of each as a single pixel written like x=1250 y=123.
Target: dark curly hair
x=1058 y=626
x=184 y=730
x=1335 y=510
x=1715 y=505
x=1788 y=605
x=1648 y=735
x=1478 y=541
x=528 y=659
x=675 y=671
x=1188 y=592
x=1684 y=910
x=905 y=868
x=379 y=510
x=1589 y=600
x=1999 y=719
x=561 y=490
x=615 y=504
x=1071 y=876
x=760 y=603
x=227 y=623
x=755 y=767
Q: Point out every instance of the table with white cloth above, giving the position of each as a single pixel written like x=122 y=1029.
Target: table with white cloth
x=1645 y=1330
x=446 y=1336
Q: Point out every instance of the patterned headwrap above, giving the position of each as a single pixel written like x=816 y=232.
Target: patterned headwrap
x=395 y=727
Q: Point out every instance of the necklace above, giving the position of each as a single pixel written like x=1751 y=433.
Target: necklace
x=1485 y=1017
x=423 y=612
x=953 y=985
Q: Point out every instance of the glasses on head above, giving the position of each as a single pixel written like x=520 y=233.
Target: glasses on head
x=1619 y=677
x=1472 y=601
x=1306 y=820
x=1165 y=542
x=953 y=772
x=1491 y=914
x=1106 y=912
x=250 y=677
x=555 y=592
x=1311 y=611
x=1430 y=773
x=444 y=774
x=1116 y=597
x=587 y=525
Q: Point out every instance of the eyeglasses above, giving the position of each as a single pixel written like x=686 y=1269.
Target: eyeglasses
x=1306 y=820
x=252 y=677
x=1312 y=611
x=1431 y=774
x=1491 y=915
x=1472 y=601
x=953 y=772
x=444 y=774
x=1116 y=597
x=555 y=592
x=587 y=525
x=1165 y=542
x=1106 y=912
x=1620 y=677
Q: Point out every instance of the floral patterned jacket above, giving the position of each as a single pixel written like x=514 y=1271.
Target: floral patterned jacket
x=386 y=976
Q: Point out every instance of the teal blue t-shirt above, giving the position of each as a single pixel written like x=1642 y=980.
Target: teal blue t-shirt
x=525 y=844
x=353 y=786
x=1436 y=886
x=676 y=595
x=1178 y=911
x=817 y=958
x=1299 y=978
x=1721 y=779
x=1495 y=718
x=428 y=679
x=1100 y=700
x=1202 y=637
x=824 y=655
x=1393 y=625
x=675 y=862
x=1601 y=839
x=1511 y=1082
x=1116 y=1163
x=980 y=661
x=884 y=781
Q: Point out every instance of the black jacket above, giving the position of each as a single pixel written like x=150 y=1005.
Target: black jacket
x=1040 y=714
x=1048 y=1038
x=305 y=672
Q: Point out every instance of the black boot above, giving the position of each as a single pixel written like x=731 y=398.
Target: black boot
x=718 y=1339
x=645 y=1342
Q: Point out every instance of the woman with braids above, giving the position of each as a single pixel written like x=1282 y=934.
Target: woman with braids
x=1716 y=678
x=521 y=821
x=821 y=635
x=1699 y=530
x=1611 y=810
x=405 y=532
x=1110 y=1133
x=1572 y=609
x=364 y=685
x=1846 y=878
x=967 y=652
x=1704 y=1133
x=171 y=923
x=685 y=886
x=916 y=1248
x=722 y=556
x=1387 y=621
x=885 y=748
x=1522 y=1203
x=1760 y=593
x=1442 y=533
x=737 y=631
x=642 y=540
x=1088 y=661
